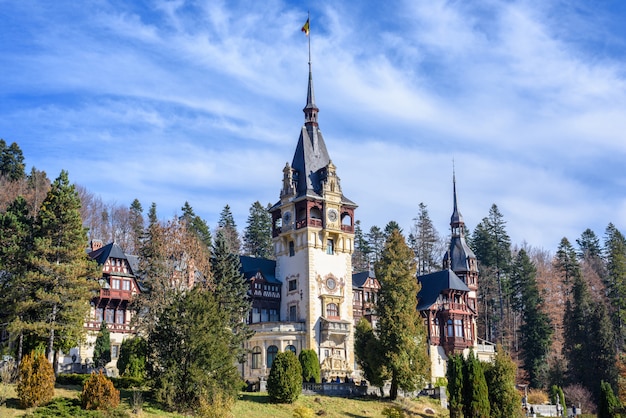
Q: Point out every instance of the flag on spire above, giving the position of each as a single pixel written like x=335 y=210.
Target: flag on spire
x=305 y=28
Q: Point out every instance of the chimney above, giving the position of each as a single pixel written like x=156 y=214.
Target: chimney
x=96 y=244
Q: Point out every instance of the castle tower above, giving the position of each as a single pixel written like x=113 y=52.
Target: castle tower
x=461 y=259
x=313 y=235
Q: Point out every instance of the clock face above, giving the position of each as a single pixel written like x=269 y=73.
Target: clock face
x=330 y=283
x=332 y=215
x=287 y=217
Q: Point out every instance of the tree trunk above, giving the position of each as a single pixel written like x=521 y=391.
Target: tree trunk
x=50 y=348
x=393 y=391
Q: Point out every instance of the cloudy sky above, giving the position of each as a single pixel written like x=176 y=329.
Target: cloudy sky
x=201 y=101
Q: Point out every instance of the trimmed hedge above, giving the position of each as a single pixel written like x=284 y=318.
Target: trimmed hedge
x=76 y=379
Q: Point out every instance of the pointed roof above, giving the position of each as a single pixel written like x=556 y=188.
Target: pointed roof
x=111 y=250
x=435 y=283
x=250 y=266
x=458 y=254
x=456 y=217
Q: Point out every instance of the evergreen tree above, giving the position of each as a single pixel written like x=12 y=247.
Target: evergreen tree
x=232 y=292
x=492 y=247
x=102 y=348
x=136 y=225
x=536 y=329
x=455 y=385
x=60 y=269
x=132 y=359
x=362 y=250
x=368 y=352
x=191 y=361
x=615 y=251
x=425 y=242
x=588 y=244
x=196 y=225
x=601 y=347
x=257 y=238
x=16 y=228
x=476 y=394
x=401 y=331
x=227 y=226
x=376 y=242
x=504 y=399
x=284 y=383
x=11 y=161
x=389 y=228
x=310 y=364
x=608 y=406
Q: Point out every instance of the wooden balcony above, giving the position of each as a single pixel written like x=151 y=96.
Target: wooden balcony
x=116 y=294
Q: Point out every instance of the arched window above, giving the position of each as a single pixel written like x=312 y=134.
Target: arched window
x=272 y=350
x=436 y=330
x=332 y=310
x=316 y=213
x=256 y=357
x=291 y=348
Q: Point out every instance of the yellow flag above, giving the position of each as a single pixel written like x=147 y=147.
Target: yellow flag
x=305 y=28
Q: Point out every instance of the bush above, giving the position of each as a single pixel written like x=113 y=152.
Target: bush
x=310 y=366
x=132 y=359
x=99 y=393
x=36 y=380
x=127 y=382
x=537 y=397
x=72 y=379
x=284 y=383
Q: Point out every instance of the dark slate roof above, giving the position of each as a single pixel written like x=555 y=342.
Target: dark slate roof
x=250 y=266
x=359 y=279
x=458 y=254
x=434 y=283
x=110 y=250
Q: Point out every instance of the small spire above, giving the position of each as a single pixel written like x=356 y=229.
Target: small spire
x=310 y=110
x=456 y=220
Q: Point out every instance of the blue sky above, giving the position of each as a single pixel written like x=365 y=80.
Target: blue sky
x=174 y=101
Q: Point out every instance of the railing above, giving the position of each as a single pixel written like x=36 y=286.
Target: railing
x=334 y=389
x=116 y=294
x=340 y=327
x=452 y=306
x=113 y=327
x=347 y=228
x=275 y=327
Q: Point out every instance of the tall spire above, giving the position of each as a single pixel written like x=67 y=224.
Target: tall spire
x=310 y=110
x=456 y=220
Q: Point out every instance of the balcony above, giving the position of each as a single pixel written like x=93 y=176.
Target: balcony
x=123 y=328
x=116 y=294
x=335 y=330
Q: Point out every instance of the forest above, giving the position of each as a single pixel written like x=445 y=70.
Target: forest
x=560 y=315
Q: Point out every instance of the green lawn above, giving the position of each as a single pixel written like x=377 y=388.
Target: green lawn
x=257 y=405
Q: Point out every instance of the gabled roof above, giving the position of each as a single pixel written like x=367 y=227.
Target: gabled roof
x=250 y=266
x=359 y=279
x=111 y=250
x=434 y=283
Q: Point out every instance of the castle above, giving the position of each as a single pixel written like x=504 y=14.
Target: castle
x=309 y=297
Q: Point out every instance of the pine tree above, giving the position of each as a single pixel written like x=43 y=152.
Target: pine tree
x=362 y=250
x=196 y=225
x=504 y=399
x=401 y=331
x=227 y=226
x=536 y=329
x=136 y=225
x=376 y=242
x=132 y=359
x=11 y=161
x=608 y=406
x=425 y=242
x=615 y=250
x=257 y=237
x=232 y=292
x=475 y=391
x=455 y=385
x=102 y=347
x=310 y=364
x=588 y=244
x=191 y=361
x=60 y=270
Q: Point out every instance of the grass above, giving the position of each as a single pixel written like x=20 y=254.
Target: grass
x=257 y=405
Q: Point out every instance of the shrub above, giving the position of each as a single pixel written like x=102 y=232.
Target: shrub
x=537 y=397
x=70 y=379
x=284 y=383
x=310 y=366
x=99 y=393
x=127 y=382
x=36 y=380
x=393 y=412
x=303 y=412
x=132 y=359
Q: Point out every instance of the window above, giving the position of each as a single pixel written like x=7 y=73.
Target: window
x=272 y=350
x=458 y=328
x=115 y=351
x=256 y=357
x=110 y=316
x=293 y=285
x=436 y=330
x=265 y=317
x=293 y=313
x=256 y=315
x=450 y=328
x=99 y=314
x=126 y=285
x=273 y=315
x=332 y=310
x=329 y=246
x=119 y=317
x=115 y=283
x=292 y=249
x=291 y=348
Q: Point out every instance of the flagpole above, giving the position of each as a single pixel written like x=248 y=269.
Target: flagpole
x=308 y=19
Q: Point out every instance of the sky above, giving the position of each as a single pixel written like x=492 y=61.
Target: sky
x=201 y=101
